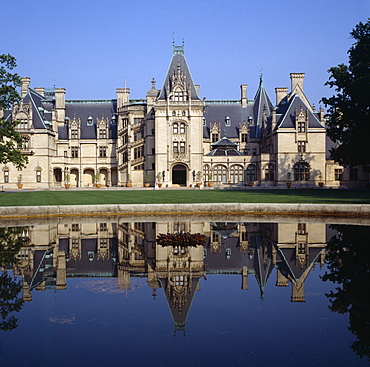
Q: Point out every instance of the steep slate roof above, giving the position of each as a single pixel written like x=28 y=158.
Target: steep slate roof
x=41 y=109
x=178 y=60
x=287 y=113
x=180 y=312
x=261 y=102
x=262 y=269
x=216 y=112
x=83 y=110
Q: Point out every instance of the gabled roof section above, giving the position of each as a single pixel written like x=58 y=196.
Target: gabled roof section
x=178 y=74
x=288 y=113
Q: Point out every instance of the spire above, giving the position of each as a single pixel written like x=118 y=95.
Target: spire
x=178 y=77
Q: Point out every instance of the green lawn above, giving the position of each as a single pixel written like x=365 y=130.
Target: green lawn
x=163 y=196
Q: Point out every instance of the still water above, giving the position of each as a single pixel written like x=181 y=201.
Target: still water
x=251 y=294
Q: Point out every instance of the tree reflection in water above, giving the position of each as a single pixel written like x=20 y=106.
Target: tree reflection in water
x=348 y=259
x=11 y=300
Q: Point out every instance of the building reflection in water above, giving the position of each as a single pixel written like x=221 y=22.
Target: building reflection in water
x=52 y=253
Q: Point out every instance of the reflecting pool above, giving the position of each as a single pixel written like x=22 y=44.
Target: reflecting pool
x=210 y=293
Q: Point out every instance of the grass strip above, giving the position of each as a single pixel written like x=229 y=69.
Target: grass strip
x=163 y=196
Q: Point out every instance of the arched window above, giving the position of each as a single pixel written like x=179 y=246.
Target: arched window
x=175 y=128
x=251 y=173
x=220 y=173
x=269 y=172
x=236 y=174
x=301 y=171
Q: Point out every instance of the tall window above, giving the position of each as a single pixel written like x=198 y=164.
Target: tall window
x=6 y=176
x=25 y=142
x=251 y=173
x=102 y=152
x=74 y=152
x=175 y=128
x=38 y=175
x=301 y=147
x=175 y=146
x=244 y=138
x=139 y=152
x=182 y=147
x=182 y=128
x=236 y=174
x=206 y=172
x=269 y=173
x=301 y=171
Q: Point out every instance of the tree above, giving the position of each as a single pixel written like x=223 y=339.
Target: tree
x=10 y=139
x=348 y=262
x=349 y=110
x=11 y=301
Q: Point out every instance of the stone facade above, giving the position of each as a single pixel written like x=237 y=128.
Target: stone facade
x=174 y=138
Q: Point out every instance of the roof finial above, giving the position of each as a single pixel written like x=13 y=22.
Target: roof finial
x=261 y=76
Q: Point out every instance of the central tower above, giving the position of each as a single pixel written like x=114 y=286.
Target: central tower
x=178 y=115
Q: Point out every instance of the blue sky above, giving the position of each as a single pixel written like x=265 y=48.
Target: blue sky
x=90 y=47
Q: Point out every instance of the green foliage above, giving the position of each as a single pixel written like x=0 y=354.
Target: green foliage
x=348 y=260
x=349 y=110
x=11 y=242
x=10 y=245
x=10 y=139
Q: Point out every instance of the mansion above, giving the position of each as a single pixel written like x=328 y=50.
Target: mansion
x=173 y=137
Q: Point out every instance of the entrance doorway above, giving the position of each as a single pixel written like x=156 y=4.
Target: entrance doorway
x=179 y=175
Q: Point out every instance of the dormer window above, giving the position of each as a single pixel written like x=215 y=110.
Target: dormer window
x=204 y=121
x=102 y=133
x=113 y=120
x=74 y=134
x=90 y=121
x=250 y=120
x=301 y=126
x=66 y=121
x=227 y=121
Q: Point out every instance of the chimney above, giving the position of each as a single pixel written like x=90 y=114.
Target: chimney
x=60 y=105
x=40 y=91
x=243 y=90
x=26 y=81
x=123 y=97
x=280 y=94
x=296 y=80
